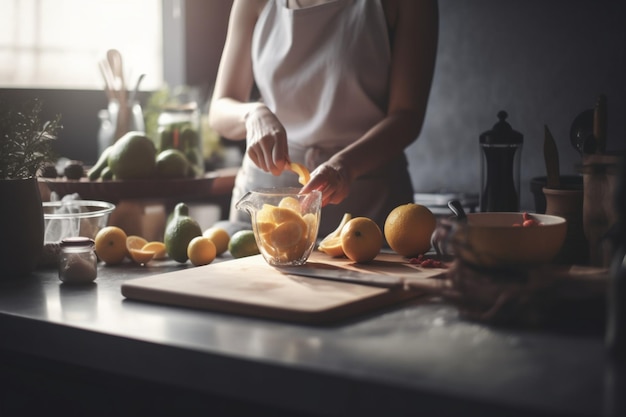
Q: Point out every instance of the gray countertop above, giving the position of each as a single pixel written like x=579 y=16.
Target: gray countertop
x=416 y=356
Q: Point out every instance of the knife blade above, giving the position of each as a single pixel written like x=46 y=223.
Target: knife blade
x=551 y=157
x=330 y=272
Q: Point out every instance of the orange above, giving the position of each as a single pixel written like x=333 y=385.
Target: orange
x=111 y=245
x=220 y=238
x=201 y=251
x=408 y=229
x=134 y=242
x=361 y=239
x=157 y=247
x=303 y=173
x=283 y=232
x=332 y=247
x=311 y=221
x=287 y=234
x=141 y=256
x=290 y=203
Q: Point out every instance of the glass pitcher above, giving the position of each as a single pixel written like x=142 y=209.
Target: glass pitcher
x=285 y=223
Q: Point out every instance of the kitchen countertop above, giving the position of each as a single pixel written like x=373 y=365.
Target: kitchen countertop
x=418 y=357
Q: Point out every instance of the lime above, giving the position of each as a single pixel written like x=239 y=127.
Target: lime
x=133 y=156
x=180 y=230
x=242 y=244
x=171 y=163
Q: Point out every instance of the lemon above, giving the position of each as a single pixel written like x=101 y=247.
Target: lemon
x=111 y=245
x=242 y=244
x=133 y=156
x=201 y=251
x=171 y=163
x=179 y=232
x=220 y=238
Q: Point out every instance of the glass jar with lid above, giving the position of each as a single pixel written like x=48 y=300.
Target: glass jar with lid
x=78 y=263
x=179 y=128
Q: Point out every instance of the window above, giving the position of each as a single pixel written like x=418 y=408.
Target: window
x=58 y=43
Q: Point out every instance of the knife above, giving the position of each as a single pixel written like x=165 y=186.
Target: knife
x=551 y=157
x=325 y=271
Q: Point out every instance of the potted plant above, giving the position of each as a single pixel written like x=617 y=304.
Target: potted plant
x=25 y=146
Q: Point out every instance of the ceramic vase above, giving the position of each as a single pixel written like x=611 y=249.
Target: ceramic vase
x=21 y=227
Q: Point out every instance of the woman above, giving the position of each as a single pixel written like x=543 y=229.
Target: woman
x=344 y=86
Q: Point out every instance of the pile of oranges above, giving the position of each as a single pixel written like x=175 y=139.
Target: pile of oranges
x=407 y=229
x=113 y=246
x=285 y=234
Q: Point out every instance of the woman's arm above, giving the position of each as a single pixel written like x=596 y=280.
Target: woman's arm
x=414 y=27
x=234 y=81
x=231 y=115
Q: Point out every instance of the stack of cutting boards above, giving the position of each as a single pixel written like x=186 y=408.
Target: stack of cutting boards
x=249 y=286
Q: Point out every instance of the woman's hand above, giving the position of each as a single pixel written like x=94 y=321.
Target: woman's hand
x=332 y=180
x=266 y=140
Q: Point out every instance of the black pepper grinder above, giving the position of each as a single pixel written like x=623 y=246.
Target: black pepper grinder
x=500 y=167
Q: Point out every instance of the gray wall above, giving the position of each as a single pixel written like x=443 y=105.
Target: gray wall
x=541 y=61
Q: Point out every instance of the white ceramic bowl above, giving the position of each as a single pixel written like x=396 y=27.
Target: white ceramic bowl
x=491 y=240
x=74 y=218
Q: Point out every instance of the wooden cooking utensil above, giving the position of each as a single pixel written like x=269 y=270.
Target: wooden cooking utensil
x=551 y=157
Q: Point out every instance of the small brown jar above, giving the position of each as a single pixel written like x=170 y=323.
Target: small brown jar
x=78 y=263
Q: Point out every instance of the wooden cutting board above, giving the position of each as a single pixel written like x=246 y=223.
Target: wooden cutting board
x=249 y=286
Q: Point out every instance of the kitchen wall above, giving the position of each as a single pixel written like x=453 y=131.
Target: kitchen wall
x=541 y=61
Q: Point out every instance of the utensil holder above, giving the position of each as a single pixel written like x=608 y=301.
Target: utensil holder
x=568 y=203
x=118 y=119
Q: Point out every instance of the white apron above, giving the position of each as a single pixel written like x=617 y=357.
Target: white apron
x=324 y=72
